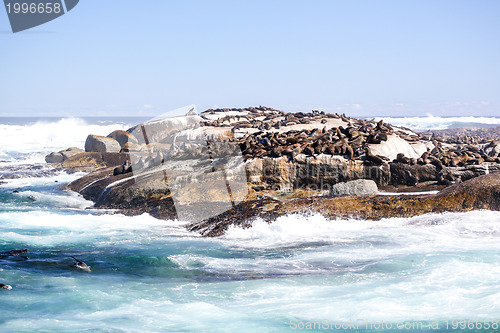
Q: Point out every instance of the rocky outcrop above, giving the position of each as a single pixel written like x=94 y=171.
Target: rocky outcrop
x=354 y=188
x=62 y=155
x=101 y=144
x=181 y=167
x=450 y=175
x=318 y=173
x=479 y=193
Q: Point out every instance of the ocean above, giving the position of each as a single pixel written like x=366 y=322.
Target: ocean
x=432 y=273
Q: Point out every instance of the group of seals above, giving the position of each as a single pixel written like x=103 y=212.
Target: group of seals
x=351 y=141
x=12 y=253
x=263 y=137
x=458 y=156
x=262 y=132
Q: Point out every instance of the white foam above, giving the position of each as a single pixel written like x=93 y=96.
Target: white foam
x=429 y=267
x=60 y=177
x=45 y=136
x=431 y=122
x=70 y=200
x=55 y=229
x=408 y=193
x=444 y=229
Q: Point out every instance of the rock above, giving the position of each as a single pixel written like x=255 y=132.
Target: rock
x=101 y=144
x=123 y=137
x=93 y=161
x=313 y=173
x=131 y=147
x=62 y=155
x=493 y=149
x=423 y=173
x=70 y=152
x=392 y=147
x=54 y=158
x=354 y=187
x=283 y=153
x=150 y=196
x=450 y=174
x=479 y=193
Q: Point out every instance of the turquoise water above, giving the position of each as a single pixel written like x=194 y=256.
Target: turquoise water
x=154 y=276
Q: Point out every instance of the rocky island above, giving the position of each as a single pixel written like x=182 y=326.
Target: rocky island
x=228 y=166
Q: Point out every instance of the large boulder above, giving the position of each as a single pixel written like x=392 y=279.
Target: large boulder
x=123 y=137
x=54 y=158
x=62 y=155
x=92 y=161
x=354 y=188
x=101 y=144
x=423 y=173
x=394 y=146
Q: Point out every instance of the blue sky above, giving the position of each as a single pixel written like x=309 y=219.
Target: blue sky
x=364 y=58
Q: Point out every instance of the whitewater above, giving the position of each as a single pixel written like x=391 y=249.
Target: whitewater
x=151 y=275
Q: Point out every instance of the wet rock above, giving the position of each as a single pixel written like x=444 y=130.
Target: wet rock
x=54 y=158
x=62 y=155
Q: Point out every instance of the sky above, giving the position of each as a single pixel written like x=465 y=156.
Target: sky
x=362 y=58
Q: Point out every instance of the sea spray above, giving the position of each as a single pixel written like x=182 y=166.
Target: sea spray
x=431 y=122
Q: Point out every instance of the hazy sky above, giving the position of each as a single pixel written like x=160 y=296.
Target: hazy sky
x=364 y=58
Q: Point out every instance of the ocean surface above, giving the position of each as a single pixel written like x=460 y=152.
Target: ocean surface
x=433 y=273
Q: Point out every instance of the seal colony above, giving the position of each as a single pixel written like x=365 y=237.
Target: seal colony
x=297 y=153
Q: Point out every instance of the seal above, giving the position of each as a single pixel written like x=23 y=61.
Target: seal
x=17 y=252
x=81 y=265
x=410 y=179
x=5 y=286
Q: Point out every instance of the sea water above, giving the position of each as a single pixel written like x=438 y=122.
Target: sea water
x=432 y=273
